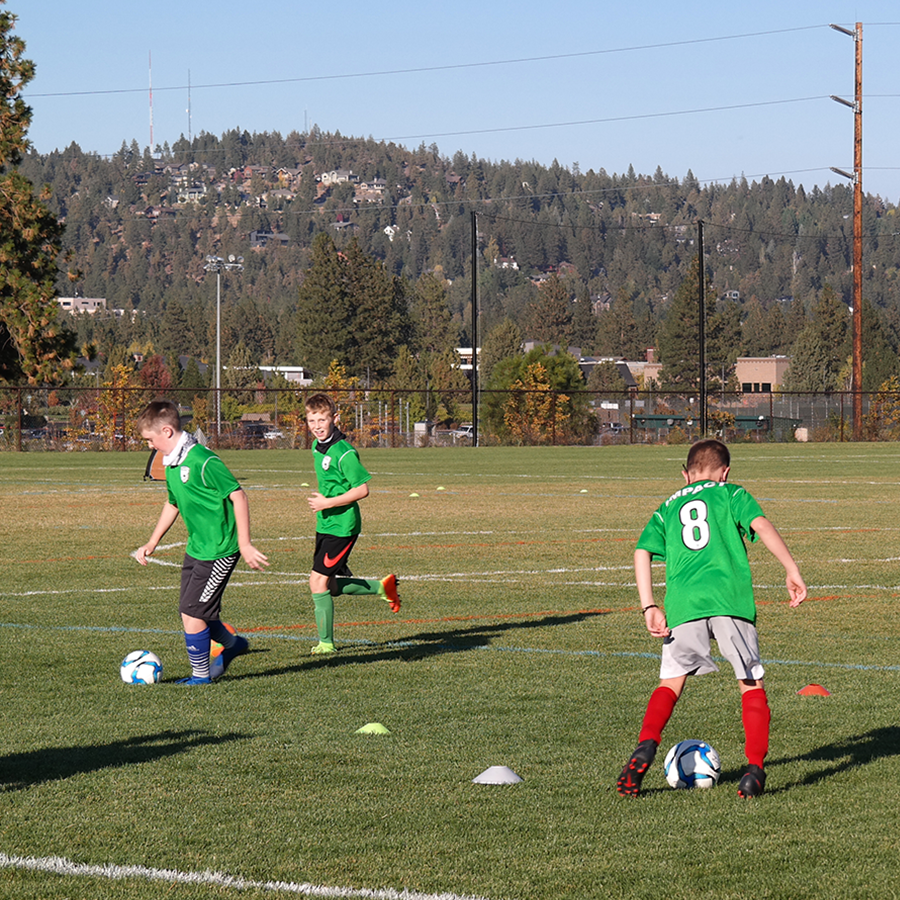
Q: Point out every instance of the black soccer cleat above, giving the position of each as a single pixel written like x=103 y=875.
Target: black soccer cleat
x=629 y=783
x=753 y=782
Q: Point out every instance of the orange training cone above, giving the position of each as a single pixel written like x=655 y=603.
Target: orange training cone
x=814 y=690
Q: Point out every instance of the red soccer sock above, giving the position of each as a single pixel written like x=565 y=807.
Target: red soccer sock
x=756 y=716
x=659 y=711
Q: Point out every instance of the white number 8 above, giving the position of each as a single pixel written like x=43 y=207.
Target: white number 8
x=695 y=527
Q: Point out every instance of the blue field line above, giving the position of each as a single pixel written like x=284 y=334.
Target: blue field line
x=449 y=647
x=717 y=659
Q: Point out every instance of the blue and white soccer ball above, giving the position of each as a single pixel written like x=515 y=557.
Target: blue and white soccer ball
x=692 y=764
x=141 y=667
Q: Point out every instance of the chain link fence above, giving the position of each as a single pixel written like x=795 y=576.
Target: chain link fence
x=103 y=418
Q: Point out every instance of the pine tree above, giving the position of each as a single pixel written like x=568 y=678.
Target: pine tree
x=503 y=340
x=880 y=361
x=550 y=314
x=433 y=324
x=584 y=323
x=679 y=334
x=33 y=343
x=323 y=311
x=819 y=354
x=379 y=320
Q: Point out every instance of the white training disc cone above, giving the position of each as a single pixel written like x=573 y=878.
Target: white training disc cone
x=497 y=775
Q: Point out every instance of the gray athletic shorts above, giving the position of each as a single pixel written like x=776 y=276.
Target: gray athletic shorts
x=687 y=650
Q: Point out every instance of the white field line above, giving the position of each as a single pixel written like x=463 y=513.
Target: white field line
x=57 y=865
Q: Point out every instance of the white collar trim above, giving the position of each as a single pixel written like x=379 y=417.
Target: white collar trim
x=185 y=442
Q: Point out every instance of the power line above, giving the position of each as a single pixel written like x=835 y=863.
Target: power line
x=635 y=117
x=444 y=68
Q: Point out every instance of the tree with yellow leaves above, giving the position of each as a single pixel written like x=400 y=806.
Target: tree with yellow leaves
x=534 y=414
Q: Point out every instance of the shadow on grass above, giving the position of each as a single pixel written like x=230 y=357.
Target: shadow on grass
x=840 y=756
x=836 y=757
x=24 y=770
x=428 y=643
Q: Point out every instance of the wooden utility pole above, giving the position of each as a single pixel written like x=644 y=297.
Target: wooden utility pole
x=701 y=299
x=857 y=242
x=856 y=106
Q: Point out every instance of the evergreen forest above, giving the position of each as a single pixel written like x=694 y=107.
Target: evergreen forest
x=362 y=252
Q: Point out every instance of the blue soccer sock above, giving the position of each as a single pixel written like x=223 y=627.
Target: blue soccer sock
x=198 y=652
x=220 y=634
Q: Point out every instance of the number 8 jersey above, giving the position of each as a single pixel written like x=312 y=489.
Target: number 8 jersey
x=699 y=532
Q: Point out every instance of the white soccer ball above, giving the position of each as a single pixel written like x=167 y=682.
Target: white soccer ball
x=692 y=764
x=141 y=667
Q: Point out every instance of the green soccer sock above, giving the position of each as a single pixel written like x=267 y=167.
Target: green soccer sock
x=324 y=616
x=356 y=586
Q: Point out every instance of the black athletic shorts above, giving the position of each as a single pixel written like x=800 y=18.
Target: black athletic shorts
x=331 y=555
x=202 y=585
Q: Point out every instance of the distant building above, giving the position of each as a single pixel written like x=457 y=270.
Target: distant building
x=761 y=374
x=754 y=374
x=338 y=176
x=296 y=374
x=193 y=193
x=260 y=239
x=82 y=304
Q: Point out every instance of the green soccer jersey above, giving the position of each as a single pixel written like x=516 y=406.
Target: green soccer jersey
x=199 y=484
x=338 y=469
x=699 y=532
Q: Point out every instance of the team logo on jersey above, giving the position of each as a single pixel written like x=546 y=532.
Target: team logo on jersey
x=326 y=463
x=185 y=473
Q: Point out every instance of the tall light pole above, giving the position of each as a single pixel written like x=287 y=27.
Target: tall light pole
x=217 y=264
x=856 y=177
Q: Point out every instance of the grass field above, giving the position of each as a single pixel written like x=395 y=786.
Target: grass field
x=519 y=644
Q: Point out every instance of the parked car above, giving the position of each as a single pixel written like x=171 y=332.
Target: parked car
x=463 y=431
x=273 y=434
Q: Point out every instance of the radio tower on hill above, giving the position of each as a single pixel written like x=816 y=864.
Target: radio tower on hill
x=150 y=61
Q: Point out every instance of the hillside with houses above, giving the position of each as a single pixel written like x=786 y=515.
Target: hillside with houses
x=140 y=226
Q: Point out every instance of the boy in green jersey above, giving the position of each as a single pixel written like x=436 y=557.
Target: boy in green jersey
x=343 y=482
x=217 y=517
x=699 y=532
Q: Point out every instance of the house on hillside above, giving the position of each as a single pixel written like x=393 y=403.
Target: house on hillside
x=289 y=176
x=338 y=176
x=88 y=305
x=261 y=239
x=192 y=193
x=370 y=191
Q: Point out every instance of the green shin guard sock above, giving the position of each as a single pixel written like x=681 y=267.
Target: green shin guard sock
x=356 y=586
x=324 y=616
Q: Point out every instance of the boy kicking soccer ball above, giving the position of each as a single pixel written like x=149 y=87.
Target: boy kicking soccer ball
x=343 y=482
x=217 y=517
x=699 y=532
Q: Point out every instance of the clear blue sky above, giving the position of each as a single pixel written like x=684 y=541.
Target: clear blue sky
x=722 y=89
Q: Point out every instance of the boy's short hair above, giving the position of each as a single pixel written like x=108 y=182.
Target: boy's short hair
x=321 y=403
x=708 y=454
x=159 y=413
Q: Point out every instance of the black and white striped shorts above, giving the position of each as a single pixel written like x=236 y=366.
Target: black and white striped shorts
x=202 y=585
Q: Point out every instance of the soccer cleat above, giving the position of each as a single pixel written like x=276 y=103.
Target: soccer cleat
x=388 y=592
x=629 y=783
x=220 y=663
x=753 y=782
x=324 y=647
x=194 y=679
